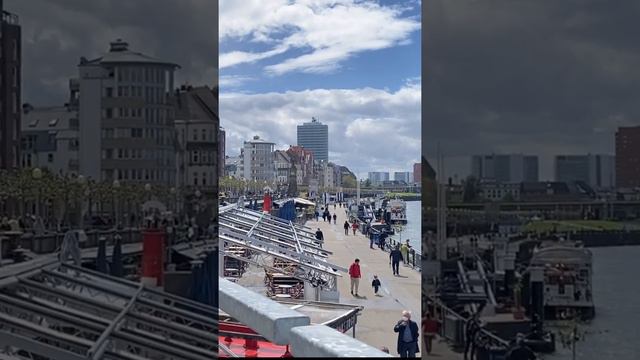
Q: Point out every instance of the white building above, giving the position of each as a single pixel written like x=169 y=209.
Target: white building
x=257 y=160
x=126 y=117
x=50 y=139
x=598 y=171
x=496 y=191
x=282 y=162
x=405 y=176
x=377 y=177
x=197 y=127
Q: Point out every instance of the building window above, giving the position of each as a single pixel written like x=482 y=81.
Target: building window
x=195 y=156
x=136 y=132
x=195 y=178
x=195 y=135
x=109 y=113
x=109 y=92
x=50 y=158
x=14 y=75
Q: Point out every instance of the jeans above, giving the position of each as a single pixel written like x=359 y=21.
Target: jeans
x=395 y=265
x=371 y=242
x=408 y=350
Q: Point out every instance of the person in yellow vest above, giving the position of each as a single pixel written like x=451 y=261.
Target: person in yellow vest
x=404 y=249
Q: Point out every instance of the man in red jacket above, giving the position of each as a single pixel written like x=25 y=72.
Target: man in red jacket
x=354 y=273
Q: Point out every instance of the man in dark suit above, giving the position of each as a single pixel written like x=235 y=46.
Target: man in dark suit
x=408 y=335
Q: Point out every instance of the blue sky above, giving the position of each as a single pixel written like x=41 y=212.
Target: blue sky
x=353 y=64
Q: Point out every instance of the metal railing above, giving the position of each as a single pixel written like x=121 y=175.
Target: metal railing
x=452 y=326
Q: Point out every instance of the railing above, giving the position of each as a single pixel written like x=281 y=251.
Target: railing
x=414 y=258
x=452 y=326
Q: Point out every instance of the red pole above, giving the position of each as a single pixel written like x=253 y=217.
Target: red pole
x=153 y=255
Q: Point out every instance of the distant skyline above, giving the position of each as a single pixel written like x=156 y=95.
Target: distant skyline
x=283 y=62
x=541 y=77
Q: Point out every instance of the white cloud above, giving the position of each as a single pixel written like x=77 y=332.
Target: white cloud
x=369 y=129
x=233 y=80
x=326 y=31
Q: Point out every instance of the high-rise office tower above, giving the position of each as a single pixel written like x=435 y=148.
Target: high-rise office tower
x=314 y=136
x=628 y=157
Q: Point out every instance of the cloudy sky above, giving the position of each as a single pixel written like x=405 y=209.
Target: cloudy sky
x=536 y=77
x=354 y=65
x=56 y=33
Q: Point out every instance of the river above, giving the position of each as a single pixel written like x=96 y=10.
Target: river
x=614 y=332
x=413 y=229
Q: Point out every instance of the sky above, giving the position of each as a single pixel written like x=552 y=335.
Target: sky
x=352 y=64
x=56 y=33
x=540 y=77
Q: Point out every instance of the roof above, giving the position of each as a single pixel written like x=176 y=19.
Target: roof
x=48 y=118
x=56 y=310
x=120 y=53
x=561 y=254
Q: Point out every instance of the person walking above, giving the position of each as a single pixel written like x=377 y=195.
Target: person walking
x=382 y=239
x=319 y=235
x=354 y=227
x=408 y=335
x=376 y=284
x=472 y=327
x=355 y=275
x=317 y=214
x=324 y=216
x=335 y=219
x=346 y=228
x=394 y=260
x=429 y=330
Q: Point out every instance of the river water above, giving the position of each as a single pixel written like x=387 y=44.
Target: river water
x=615 y=331
x=413 y=228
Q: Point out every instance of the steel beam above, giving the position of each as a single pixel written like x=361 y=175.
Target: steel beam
x=270 y=319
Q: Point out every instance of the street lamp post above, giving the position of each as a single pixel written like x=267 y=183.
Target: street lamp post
x=37 y=175
x=81 y=182
x=115 y=201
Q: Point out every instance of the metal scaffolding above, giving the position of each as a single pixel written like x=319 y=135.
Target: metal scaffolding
x=60 y=311
x=267 y=237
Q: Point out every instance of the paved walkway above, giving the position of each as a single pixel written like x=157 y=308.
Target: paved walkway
x=381 y=313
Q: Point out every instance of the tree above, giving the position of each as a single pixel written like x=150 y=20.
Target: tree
x=367 y=183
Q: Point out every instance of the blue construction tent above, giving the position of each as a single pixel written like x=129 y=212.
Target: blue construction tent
x=288 y=211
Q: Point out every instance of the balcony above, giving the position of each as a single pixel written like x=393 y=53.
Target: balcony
x=9 y=18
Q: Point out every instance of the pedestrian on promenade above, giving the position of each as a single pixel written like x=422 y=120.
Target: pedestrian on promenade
x=354 y=274
x=429 y=330
x=354 y=227
x=376 y=284
x=346 y=228
x=394 y=260
x=472 y=327
x=408 y=335
x=319 y=235
x=335 y=219
x=404 y=249
x=382 y=240
x=324 y=216
x=328 y=217
x=317 y=214
x=334 y=206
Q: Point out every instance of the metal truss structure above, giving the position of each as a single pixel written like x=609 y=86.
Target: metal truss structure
x=60 y=311
x=268 y=238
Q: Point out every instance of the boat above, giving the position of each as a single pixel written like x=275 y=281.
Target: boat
x=397 y=209
x=568 y=271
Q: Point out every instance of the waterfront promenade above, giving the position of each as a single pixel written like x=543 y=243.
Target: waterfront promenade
x=381 y=313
